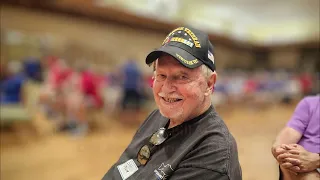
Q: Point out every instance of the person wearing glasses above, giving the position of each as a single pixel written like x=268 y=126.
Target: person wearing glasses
x=297 y=146
x=184 y=138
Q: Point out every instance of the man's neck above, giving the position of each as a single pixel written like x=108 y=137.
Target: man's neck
x=176 y=122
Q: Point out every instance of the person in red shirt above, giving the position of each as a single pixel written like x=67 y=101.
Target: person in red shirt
x=51 y=96
x=306 y=83
x=90 y=83
x=83 y=93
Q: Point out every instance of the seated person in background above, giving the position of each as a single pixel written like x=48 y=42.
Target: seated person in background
x=297 y=146
x=51 y=96
x=11 y=85
x=113 y=92
x=132 y=97
x=90 y=86
x=306 y=82
x=32 y=69
x=82 y=93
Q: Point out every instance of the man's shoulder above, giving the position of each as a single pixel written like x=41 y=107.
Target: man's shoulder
x=216 y=148
x=214 y=125
x=215 y=134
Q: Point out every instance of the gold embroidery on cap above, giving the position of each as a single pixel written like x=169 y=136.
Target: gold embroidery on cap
x=175 y=30
x=194 y=38
x=181 y=40
x=189 y=62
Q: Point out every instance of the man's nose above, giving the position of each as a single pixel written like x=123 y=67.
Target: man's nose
x=168 y=86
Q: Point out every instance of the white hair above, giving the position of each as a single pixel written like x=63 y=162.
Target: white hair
x=206 y=71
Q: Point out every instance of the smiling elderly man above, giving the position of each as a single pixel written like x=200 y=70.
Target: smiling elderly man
x=185 y=138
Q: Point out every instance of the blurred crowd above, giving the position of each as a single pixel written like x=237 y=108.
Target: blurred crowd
x=71 y=91
x=263 y=87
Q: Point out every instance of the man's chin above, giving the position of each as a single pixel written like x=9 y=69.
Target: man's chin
x=170 y=114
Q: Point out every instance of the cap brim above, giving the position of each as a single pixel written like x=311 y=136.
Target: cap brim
x=179 y=54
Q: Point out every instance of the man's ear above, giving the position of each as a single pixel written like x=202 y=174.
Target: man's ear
x=211 y=82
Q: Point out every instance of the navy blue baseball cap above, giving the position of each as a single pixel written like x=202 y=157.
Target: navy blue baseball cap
x=190 y=46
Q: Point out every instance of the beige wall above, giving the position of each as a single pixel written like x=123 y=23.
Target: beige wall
x=288 y=58
x=71 y=37
x=75 y=37
x=106 y=43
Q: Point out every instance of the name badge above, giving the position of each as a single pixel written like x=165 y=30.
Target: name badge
x=127 y=169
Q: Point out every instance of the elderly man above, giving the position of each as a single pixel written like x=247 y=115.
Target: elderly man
x=297 y=146
x=185 y=138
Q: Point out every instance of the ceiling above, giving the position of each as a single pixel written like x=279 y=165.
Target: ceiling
x=256 y=21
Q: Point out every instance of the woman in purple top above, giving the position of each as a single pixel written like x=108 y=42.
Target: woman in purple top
x=297 y=146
